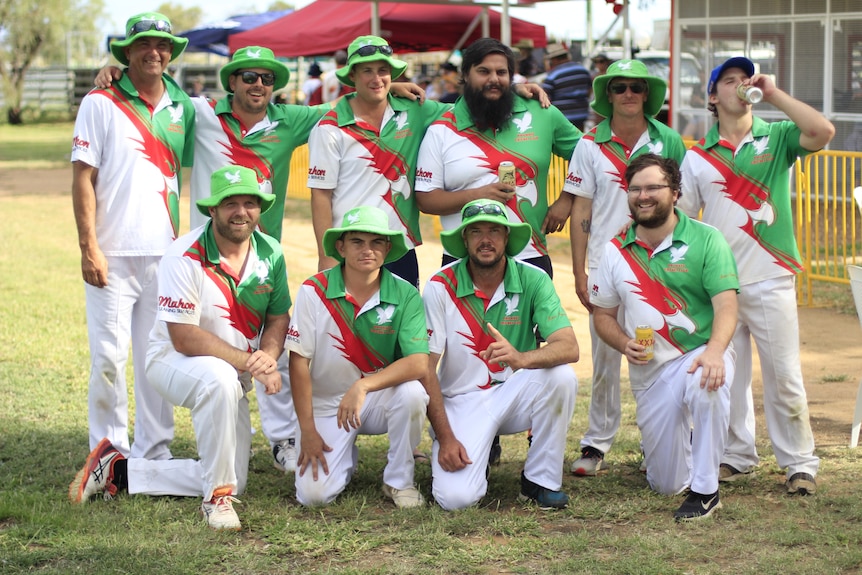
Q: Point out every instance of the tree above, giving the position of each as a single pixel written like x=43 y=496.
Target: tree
x=31 y=29
x=181 y=18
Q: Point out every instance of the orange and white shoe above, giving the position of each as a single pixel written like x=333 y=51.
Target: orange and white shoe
x=97 y=475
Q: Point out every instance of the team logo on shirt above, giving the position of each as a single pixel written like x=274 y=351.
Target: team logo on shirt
x=525 y=128
x=402 y=126
x=261 y=270
x=79 y=144
x=384 y=314
x=177 y=307
x=512 y=316
x=571 y=178
x=176 y=124
x=677 y=255
x=655 y=147
x=269 y=134
x=760 y=146
x=293 y=334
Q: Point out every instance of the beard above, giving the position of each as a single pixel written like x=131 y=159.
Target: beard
x=480 y=264
x=225 y=230
x=488 y=113
x=660 y=215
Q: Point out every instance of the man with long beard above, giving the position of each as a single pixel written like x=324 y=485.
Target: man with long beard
x=490 y=124
x=678 y=277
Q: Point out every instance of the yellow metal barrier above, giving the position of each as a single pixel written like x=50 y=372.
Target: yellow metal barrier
x=827 y=228
x=826 y=219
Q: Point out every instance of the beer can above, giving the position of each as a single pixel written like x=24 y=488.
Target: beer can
x=750 y=94
x=644 y=336
x=506 y=173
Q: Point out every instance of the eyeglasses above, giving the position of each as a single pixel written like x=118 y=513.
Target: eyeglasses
x=368 y=50
x=476 y=209
x=650 y=190
x=249 y=77
x=621 y=87
x=147 y=25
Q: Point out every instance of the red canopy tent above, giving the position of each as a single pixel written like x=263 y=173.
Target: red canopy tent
x=329 y=25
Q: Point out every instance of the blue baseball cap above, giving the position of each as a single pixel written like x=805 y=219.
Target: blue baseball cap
x=740 y=62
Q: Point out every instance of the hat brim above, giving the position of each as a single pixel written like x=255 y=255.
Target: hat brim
x=398 y=250
x=740 y=62
x=398 y=67
x=652 y=106
x=519 y=236
x=266 y=200
x=118 y=48
x=282 y=74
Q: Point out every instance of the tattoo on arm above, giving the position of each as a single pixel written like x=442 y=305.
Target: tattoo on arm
x=585 y=226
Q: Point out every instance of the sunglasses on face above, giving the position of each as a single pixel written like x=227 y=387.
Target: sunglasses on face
x=621 y=87
x=249 y=77
x=368 y=50
x=147 y=25
x=490 y=209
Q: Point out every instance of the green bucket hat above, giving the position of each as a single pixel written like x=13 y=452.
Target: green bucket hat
x=486 y=211
x=234 y=181
x=369 y=49
x=628 y=69
x=150 y=24
x=370 y=220
x=255 y=57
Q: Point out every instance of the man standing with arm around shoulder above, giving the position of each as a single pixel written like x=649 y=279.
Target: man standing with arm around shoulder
x=628 y=97
x=358 y=346
x=739 y=175
x=676 y=277
x=491 y=379
x=222 y=318
x=129 y=145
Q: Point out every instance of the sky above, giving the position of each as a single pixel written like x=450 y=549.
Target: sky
x=563 y=20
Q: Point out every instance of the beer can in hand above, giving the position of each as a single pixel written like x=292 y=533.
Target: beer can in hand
x=644 y=336
x=750 y=94
x=506 y=173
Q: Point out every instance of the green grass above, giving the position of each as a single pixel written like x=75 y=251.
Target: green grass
x=614 y=524
x=34 y=146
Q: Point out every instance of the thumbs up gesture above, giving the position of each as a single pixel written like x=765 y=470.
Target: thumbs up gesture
x=501 y=351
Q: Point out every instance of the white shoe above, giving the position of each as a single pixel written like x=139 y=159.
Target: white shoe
x=219 y=511
x=284 y=455
x=404 y=498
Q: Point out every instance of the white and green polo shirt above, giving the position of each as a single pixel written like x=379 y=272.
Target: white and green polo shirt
x=456 y=156
x=364 y=167
x=138 y=150
x=345 y=342
x=197 y=288
x=669 y=288
x=597 y=171
x=458 y=314
x=266 y=148
x=745 y=193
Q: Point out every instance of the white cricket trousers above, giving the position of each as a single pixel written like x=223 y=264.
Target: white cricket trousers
x=539 y=399
x=684 y=427
x=767 y=312
x=277 y=415
x=211 y=389
x=118 y=313
x=605 y=405
x=398 y=411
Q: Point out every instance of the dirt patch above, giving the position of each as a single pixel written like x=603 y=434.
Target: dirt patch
x=831 y=360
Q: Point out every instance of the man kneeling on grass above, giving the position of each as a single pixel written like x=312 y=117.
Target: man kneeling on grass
x=678 y=277
x=221 y=321
x=358 y=346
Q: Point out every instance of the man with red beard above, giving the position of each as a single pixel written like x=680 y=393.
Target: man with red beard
x=678 y=277
x=482 y=311
x=222 y=318
x=490 y=124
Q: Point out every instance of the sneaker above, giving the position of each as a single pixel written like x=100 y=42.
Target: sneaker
x=97 y=475
x=284 y=455
x=496 y=451
x=801 y=483
x=404 y=498
x=697 y=506
x=219 y=512
x=590 y=462
x=542 y=496
x=728 y=473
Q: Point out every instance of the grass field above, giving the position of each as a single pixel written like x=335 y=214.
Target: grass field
x=614 y=524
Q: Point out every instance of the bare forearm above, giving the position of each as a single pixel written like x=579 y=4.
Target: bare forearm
x=441 y=203
x=300 y=389
x=321 y=215
x=609 y=329
x=816 y=130
x=725 y=307
x=193 y=341
x=84 y=204
x=411 y=367
x=274 y=332
x=580 y=233
x=561 y=348
x=436 y=411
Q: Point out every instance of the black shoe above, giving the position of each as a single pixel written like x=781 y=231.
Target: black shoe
x=801 y=483
x=542 y=496
x=697 y=506
x=496 y=451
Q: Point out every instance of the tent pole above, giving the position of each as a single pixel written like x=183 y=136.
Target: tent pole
x=375 y=18
x=505 y=24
